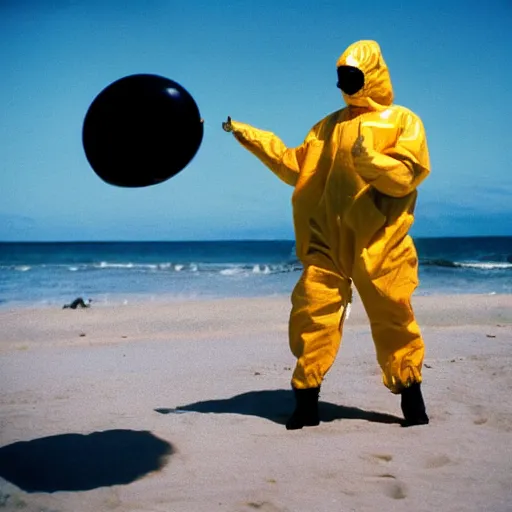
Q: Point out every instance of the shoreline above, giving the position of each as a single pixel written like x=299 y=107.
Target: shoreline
x=140 y=299
x=220 y=317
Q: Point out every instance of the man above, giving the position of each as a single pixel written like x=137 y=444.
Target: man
x=78 y=303
x=355 y=179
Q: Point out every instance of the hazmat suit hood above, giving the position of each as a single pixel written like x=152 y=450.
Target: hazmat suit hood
x=377 y=92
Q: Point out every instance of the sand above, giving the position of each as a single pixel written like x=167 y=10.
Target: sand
x=181 y=407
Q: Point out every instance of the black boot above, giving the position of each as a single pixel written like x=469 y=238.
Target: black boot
x=306 y=409
x=413 y=406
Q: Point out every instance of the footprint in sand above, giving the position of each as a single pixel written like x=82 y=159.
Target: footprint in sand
x=385 y=457
x=437 y=462
x=396 y=490
x=495 y=419
x=392 y=486
x=264 y=506
x=480 y=415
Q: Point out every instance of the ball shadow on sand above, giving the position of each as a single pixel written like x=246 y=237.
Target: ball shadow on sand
x=75 y=462
x=276 y=405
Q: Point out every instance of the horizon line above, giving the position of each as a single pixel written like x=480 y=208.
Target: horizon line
x=291 y=240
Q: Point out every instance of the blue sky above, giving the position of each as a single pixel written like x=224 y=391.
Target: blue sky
x=270 y=63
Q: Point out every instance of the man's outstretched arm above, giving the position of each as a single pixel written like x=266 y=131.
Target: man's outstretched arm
x=270 y=149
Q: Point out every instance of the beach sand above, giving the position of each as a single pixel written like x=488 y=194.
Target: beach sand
x=181 y=407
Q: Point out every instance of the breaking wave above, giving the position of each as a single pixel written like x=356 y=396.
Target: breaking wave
x=477 y=265
x=234 y=269
x=225 y=269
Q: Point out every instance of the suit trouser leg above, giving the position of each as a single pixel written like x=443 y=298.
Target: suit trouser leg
x=398 y=342
x=319 y=302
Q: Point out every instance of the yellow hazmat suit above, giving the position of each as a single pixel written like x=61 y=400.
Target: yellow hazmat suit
x=355 y=178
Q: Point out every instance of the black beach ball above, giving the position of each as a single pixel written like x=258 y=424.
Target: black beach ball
x=141 y=130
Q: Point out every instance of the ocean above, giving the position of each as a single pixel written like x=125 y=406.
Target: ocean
x=53 y=273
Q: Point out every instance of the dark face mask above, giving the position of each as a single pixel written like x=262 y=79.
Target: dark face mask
x=350 y=79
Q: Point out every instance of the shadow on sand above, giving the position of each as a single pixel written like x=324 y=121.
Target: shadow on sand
x=276 y=405
x=75 y=462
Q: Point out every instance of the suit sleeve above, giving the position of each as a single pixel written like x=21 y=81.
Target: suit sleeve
x=284 y=162
x=399 y=170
